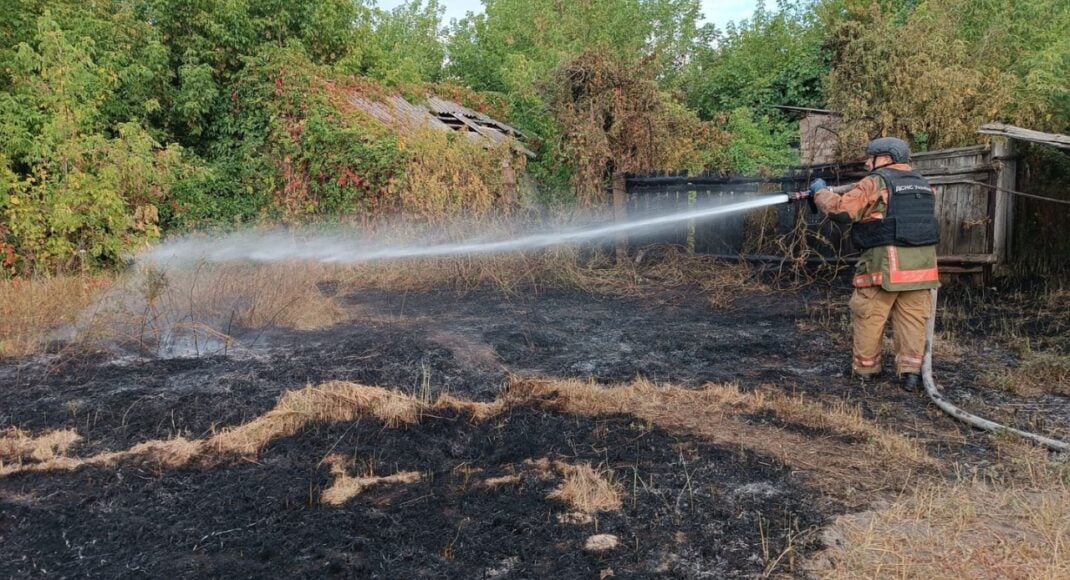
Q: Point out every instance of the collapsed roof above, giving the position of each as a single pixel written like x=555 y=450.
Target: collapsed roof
x=443 y=115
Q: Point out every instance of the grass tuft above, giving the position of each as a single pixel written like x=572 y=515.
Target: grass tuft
x=586 y=490
x=32 y=309
x=18 y=447
x=345 y=487
x=1038 y=373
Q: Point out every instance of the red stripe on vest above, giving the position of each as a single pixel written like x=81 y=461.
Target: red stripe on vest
x=910 y=276
x=897 y=276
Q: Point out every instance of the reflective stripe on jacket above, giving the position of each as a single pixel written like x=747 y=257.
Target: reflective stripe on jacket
x=893 y=268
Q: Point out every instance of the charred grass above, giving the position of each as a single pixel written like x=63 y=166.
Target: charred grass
x=714 y=412
x=364 y=437
x=453 y=492
x=459 y=479
x=1014 y=313
x=328 y=403
x=1035 y=374
x=213 y=308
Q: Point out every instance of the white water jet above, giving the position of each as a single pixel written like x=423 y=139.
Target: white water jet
x=282 y=246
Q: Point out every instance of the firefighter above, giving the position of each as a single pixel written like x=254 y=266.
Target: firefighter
x=892 y=212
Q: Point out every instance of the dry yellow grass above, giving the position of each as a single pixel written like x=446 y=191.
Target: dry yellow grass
x=327 y=403
x=501 y=481
x=586 y=490
x=969 y=529
x=150 y=307
x=663 y=269
x=715 y=413
x=562 y=267
x=334 y=402
x=1038 y=373
x=30 y=309
x=1008 y=521
x=18 y=447
x=160 y=454
x=213 y=300
x=345 y=487
x=203 y=305
x=844 y=419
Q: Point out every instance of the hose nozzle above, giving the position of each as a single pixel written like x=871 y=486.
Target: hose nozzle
x=804 y=195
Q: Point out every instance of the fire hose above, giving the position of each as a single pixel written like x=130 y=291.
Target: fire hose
x=973 y=420
x=927 y=369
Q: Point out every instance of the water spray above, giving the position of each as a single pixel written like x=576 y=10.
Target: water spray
x=338 y=249
x=282 y=246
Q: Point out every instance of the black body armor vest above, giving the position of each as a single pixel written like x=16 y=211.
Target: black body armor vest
x=910 y=218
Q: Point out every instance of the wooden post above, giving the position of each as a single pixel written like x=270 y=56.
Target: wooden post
x=1003 y=209
x=508 y=185
x=620 y=214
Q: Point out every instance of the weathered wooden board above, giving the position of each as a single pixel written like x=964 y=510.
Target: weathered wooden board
x=964 y=210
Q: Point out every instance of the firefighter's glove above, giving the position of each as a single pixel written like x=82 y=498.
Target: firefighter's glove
x=817 y=185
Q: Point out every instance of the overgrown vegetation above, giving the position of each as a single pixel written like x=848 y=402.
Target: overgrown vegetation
x=618 y=121
x=31 y=310
x=122 y=120
x=937 y=92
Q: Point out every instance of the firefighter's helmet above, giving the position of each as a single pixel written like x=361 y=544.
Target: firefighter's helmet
x=895 y=148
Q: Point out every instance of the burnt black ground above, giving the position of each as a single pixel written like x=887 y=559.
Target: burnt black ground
x=691 y=510
x=466 y=345
x=258 y=518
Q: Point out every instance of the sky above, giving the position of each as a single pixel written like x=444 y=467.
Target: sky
x=719 y=12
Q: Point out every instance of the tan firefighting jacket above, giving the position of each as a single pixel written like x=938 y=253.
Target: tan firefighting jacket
x=893 y=268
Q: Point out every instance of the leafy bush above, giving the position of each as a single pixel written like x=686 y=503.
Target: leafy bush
x=618 y=120
x=76 y=191
x=975 y=61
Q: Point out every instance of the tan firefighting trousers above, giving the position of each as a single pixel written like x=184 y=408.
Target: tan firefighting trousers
x=909 y=310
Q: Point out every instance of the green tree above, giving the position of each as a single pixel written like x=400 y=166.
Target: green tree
x=408 y=43
x=79 y=190
x=742 y=73
x=773 y=58
x=618 y=120
x=754 y=149
x=975 y=61
x=517 y=42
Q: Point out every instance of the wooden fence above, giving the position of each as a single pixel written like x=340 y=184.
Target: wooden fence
x=975 y=221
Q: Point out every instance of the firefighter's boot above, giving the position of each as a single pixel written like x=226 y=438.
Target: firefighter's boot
x=911 y=382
